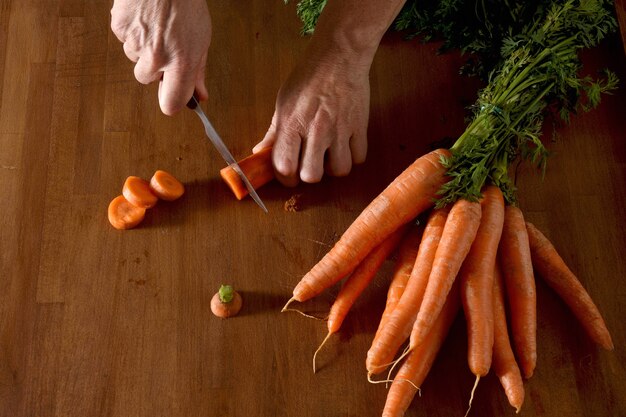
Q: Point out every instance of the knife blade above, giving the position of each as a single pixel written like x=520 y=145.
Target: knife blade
x=219 y=144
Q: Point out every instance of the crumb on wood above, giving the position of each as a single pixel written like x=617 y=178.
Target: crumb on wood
x=293 y=204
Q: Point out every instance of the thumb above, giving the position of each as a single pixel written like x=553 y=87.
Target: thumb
x=175 y=90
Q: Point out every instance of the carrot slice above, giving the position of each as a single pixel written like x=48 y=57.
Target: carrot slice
x=137 y=191
x=123 y=214
x=257 y=168
x=165 y=186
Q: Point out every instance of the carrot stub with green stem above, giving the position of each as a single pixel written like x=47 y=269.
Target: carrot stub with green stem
x=400 y=322
x=555 y=272
x=256 y=167
x=519 y=281
x=357 y=282
x=504 y=364
x=405 y=197
x=476 y=281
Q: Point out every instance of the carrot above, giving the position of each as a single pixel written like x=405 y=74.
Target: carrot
x=562 y=280
x=258 y=169
x=226 y=302
x=398 y=326
x=517 y=270
x=458 y=234
x=137 y=191
x=124 y=215
x=476 y=277
x=504 y=364
x=412 y=192
x=357 y=282
x=417 y=364
x=165 y=186
x=407 y=253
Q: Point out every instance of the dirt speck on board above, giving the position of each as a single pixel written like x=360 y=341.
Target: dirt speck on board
x=294 y=203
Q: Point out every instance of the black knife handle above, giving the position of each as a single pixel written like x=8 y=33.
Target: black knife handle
x=193 y=101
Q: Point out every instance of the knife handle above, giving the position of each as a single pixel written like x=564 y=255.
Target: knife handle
x=193 y=101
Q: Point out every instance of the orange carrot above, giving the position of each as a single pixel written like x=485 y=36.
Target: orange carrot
x=124 y=215
x=504 y=364
x=357 y=282
x=165 y=186
x=562 y=280
x=458 y=234
x=398 y=326
x=137 y=191
x=476 y=277
x=412 y=192
x=407 y=253
x=257 y=168
x=418 y=363
x=226 y=302
x=517 y=270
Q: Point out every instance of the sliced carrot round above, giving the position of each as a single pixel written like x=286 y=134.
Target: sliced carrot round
x=123 y=214
x=137 y=192
x=165 y=186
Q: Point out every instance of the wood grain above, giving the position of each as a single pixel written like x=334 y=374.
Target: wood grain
x=97 y=322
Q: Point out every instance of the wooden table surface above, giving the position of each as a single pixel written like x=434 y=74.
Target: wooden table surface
x=100 y=322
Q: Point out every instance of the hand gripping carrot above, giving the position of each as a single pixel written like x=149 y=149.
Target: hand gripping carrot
x=398 y=326
x=519 y=281
x=504 y=364
x=417 y=364
x=407 y=252
x=357 y=282
x=476 y=280
x=562 y=280
x=256 y=167
x=458 y=234
x=412 y=192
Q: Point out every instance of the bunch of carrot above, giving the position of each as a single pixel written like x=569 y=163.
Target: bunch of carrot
x=478 y=256
x=129 y=209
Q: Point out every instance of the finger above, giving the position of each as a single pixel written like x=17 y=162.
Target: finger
x=130 y=51
x=285 y=157
x=175 y=91
x=200 y=88
x=358 y=146
x=146 y=70
x=312 y=161
x=339 y=161
x=268 y=140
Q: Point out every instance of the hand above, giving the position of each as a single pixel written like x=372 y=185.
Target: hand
x=320 y=121
x=168 y=41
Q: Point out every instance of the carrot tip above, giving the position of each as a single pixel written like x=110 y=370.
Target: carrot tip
x=311 y=316
x=320 y=348
x=291 y=300
x=469 y=407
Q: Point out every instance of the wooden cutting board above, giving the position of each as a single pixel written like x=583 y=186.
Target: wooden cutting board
x=99 y=322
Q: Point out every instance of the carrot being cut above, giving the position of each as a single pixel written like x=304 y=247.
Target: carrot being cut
x=124 y=215
x=407 y=252
x=357 y=282
x=504 y=364
x=553 y=270
x=256 y=167
x=412 y=192
x=476 y=281
x=418 y=362
x=519 y=281
x=458 y=234
x=165 y=186
x=137 y=191
x=400 y=322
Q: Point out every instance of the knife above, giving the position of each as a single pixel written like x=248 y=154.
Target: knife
x=223 y=150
